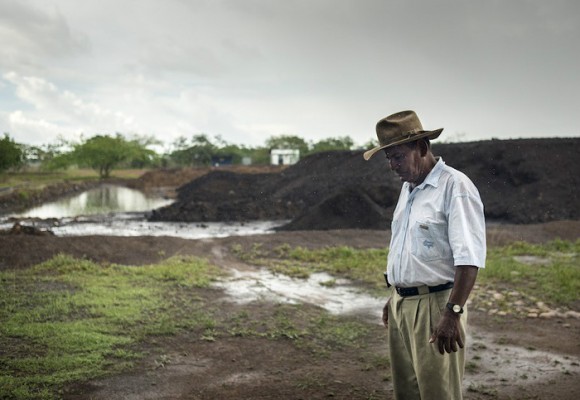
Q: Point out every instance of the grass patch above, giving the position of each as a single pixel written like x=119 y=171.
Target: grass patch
x=364 y=266
x=68 y=319
x=556 y=282
x=34 y=180
x=307 y=327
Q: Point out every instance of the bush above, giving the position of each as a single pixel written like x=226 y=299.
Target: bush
x=10 y=153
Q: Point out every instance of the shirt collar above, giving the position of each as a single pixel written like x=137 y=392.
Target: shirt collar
x=433 y=177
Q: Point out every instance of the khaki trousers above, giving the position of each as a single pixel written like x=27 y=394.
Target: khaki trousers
x=419 y=371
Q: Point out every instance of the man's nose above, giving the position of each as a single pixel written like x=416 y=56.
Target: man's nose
x=393 y=164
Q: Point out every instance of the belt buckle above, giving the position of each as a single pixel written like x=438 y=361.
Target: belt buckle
x=424 y=289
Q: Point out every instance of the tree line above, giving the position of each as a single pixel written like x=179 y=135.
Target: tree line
x=104 y=153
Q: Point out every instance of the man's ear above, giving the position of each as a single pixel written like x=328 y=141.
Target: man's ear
x=423 y=147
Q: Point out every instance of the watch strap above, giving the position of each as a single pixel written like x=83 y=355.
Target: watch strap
x=455 y=308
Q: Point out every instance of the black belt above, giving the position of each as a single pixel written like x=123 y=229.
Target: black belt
x=414 y=291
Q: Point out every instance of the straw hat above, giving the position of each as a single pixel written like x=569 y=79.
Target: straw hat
x=399 y=128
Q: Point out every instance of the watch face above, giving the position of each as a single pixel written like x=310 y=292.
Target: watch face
x=456 y=308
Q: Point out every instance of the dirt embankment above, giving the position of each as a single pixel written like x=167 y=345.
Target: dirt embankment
x=520 y=181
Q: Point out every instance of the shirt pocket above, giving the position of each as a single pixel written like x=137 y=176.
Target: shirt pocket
x=428 y=241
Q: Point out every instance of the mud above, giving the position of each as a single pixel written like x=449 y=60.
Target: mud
x=509 y=357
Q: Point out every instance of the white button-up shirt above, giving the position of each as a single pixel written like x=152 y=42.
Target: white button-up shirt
x=436 y=226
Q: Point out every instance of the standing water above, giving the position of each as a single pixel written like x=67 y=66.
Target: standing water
x=119 y=211
x=104 y=199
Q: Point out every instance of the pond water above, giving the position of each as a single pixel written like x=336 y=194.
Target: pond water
x=119 y=211
x=104 y=199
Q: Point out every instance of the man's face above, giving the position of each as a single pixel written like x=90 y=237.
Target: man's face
x=405 y=160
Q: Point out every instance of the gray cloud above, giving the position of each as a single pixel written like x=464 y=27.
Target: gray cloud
x=254 y=68
x=30 y=36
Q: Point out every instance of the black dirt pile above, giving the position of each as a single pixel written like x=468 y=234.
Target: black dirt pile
x=324 y=181
x=520 y=181
x=219 y=196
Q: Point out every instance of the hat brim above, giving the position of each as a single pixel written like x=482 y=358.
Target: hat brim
x=428 y=134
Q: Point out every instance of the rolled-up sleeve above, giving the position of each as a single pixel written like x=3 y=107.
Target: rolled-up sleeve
x=467 y=226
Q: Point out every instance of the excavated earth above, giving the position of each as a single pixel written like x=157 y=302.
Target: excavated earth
x=529 y=188
x=520 y=181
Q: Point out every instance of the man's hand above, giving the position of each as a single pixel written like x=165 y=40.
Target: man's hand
x=386 y=313
x=447 y=333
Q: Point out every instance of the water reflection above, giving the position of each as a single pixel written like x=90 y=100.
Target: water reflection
x=120 y=211
x=101 y=200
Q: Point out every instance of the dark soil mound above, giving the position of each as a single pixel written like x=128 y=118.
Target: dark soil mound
x=320 y=179
x=330 y=213
x=217 y=196
x=520 y=181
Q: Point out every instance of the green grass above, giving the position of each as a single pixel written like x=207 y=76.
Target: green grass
x=67 y=319
x=35 y=180
x=555 y=281
x=308 y=327
x=364 y=266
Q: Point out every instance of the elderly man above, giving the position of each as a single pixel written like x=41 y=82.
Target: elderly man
x=437 y=247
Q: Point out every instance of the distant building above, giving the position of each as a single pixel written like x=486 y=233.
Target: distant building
x=216 y=161
x=284 y=156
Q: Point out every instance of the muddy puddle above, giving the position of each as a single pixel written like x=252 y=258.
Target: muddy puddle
x=489 y=362
x=493 y=364
x=337 y=296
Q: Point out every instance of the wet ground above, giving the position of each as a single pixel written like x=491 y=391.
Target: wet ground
x=509 y=358
x=518 y=362
x=490 y=362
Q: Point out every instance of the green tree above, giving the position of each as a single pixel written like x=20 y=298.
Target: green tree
x=260 y=155
x=103 y=153
x=140 y=156
x=198 y=151
x=180 y=155
x=201 y=150
x=11 y=154
x=329 y=144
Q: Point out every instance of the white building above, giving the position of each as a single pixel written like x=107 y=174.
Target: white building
x=284 y=156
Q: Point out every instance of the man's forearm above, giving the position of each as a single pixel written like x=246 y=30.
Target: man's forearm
x=465 y=276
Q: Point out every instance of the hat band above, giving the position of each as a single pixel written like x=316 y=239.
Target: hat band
x=406 y=136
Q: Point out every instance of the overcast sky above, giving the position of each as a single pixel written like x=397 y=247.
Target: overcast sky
x=251 y=69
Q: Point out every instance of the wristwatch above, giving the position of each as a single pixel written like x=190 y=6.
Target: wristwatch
x=456 y=308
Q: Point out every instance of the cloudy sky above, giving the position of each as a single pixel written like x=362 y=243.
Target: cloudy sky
x=251 y=69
